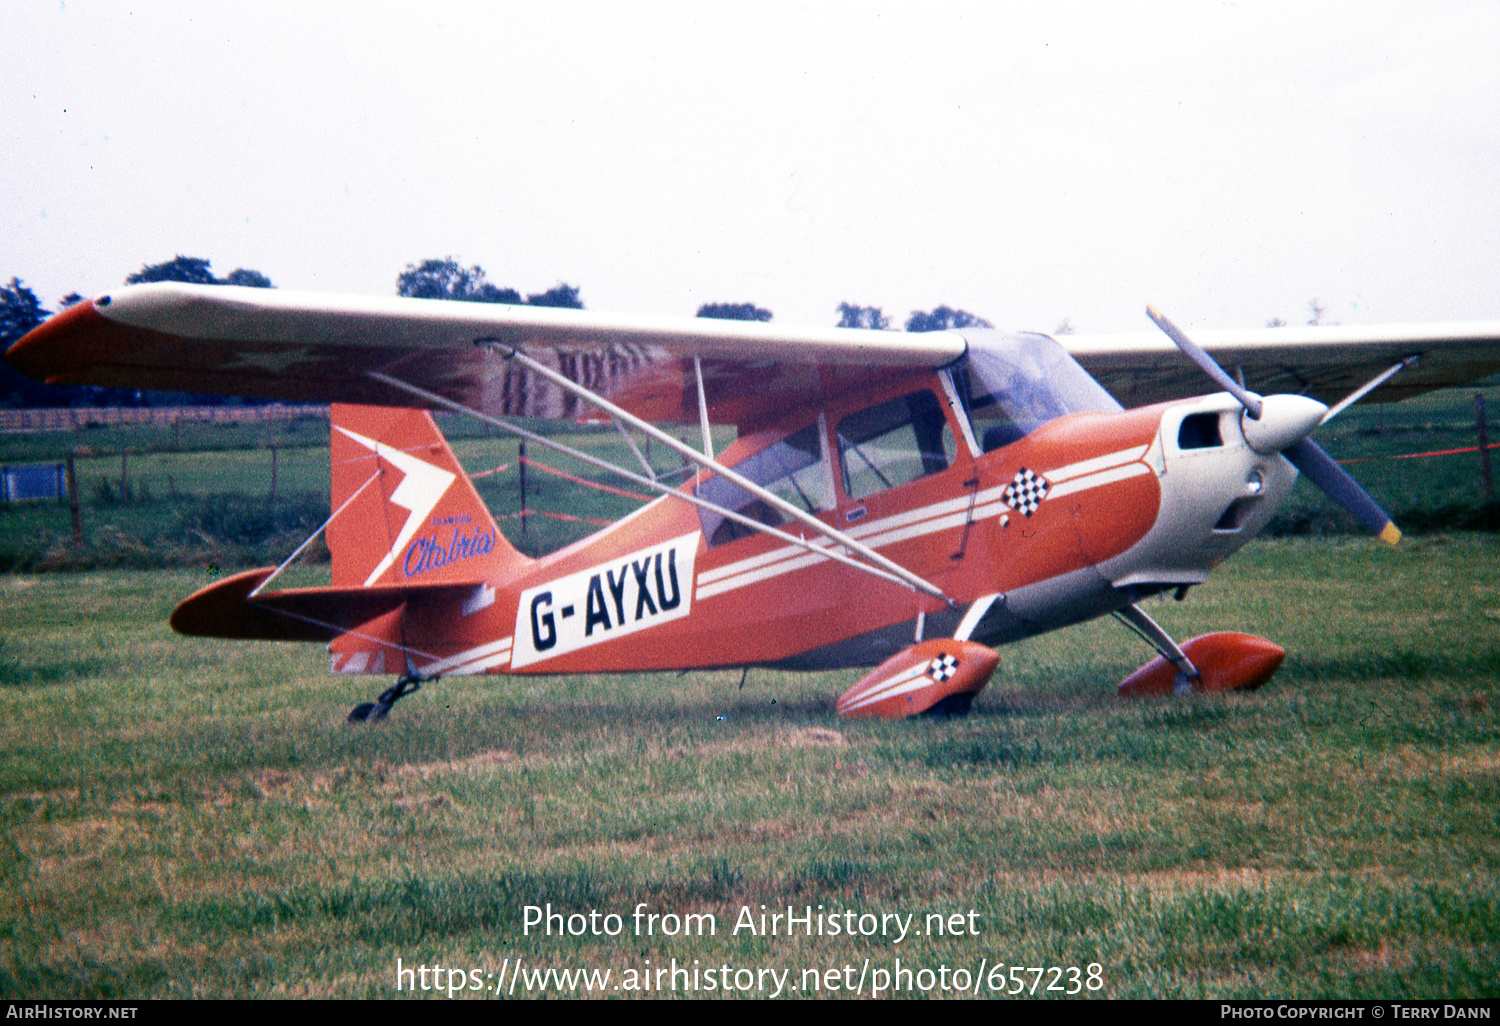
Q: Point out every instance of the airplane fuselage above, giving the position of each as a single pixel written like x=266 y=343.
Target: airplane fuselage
x=1084 y=514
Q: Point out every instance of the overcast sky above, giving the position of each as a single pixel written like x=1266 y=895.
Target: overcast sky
x=1028 y=162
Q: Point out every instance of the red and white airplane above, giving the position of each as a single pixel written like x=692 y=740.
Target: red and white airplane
x=902 y=501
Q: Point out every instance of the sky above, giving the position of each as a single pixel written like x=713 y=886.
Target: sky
x=1031 y=163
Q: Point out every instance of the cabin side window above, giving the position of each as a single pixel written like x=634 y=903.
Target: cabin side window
x=894 y=443
x=794 y=469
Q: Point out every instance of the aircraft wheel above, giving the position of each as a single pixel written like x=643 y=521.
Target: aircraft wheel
x=361 y=712
x=951 y=707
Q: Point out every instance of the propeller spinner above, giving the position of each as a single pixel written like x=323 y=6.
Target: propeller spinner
x=1282 y=423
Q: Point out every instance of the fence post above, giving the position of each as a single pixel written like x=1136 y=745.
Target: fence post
x=521 y=470
x=1484 y=448
x=73 y=501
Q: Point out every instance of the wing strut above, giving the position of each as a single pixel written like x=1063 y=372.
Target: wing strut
x=708 y=438
x=1368 y=387
x=310 y=538
x=707 y=462
x=900 y=576
x=640 y=458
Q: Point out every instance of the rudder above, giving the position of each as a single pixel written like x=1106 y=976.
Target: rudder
x=405 y=511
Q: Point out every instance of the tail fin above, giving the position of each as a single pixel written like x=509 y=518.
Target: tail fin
x=412 y=515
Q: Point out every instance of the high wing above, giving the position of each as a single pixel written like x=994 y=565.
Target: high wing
x=321 y=348
x=324 y=348
x=1325 y=362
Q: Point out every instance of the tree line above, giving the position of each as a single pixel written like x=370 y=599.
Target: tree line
x=21 y=311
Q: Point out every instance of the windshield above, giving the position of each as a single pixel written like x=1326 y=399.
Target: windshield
x=1012 y=384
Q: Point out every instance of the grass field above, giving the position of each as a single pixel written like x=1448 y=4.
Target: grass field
x=181 y=817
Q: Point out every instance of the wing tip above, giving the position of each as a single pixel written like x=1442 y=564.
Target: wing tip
x=1390 y=533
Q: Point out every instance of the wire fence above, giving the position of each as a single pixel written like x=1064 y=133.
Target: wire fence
x=73 y=418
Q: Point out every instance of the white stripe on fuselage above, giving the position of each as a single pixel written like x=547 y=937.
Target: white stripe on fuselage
x=907 y=680
x=939 y=516
x=1095 y=465
x=1103 y=477
x=492 y=654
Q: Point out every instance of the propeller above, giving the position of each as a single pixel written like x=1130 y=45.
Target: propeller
x=1281 y=423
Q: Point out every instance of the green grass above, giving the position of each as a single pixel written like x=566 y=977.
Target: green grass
x=1422 y=495
x=183 y=817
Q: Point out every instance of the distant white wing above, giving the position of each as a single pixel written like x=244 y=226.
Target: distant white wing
x=1325 y=363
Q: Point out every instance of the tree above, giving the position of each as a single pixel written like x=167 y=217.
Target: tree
x=248 y=279
x=446 y=279
x=20 y=311
x=871 y=317
x=193 y=270
x=559 y=295
x=487 y=293
x=734 y=312
x=943 y=318
x=196 y=271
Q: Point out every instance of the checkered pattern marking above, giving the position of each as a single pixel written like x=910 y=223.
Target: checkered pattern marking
x=1026 y=492
x=941 y=668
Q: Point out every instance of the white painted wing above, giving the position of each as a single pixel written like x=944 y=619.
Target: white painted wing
x=313 y=347
x=306 y=346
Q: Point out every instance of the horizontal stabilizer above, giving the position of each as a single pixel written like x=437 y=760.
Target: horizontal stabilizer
x=226 y=610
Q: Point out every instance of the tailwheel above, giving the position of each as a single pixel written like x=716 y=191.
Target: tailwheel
x=370 y=712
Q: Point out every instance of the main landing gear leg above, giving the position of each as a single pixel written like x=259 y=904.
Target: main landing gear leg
x=1188 y=679
x=369 y=712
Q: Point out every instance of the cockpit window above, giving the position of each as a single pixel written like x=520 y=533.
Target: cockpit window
x=794 y=469
x=893 y=443
x=1010 y=385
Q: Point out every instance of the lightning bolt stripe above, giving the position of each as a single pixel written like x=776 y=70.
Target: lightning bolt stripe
x=420 y=490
